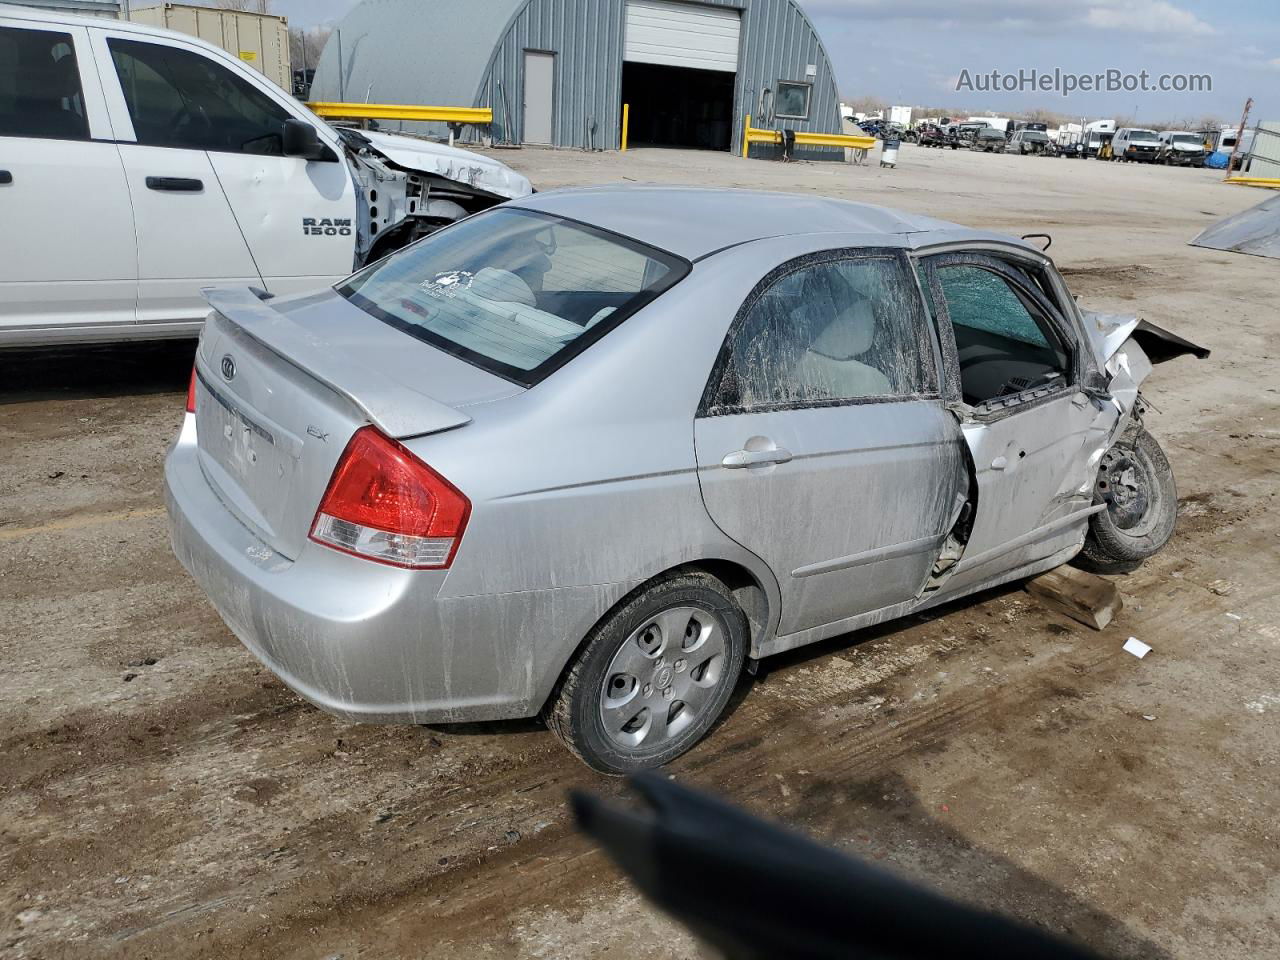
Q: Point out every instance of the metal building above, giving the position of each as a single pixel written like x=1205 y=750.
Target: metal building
x=557 y=72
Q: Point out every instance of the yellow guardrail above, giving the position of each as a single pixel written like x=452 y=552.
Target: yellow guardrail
x=752 y=135
x=402 y=111
x=1272 y=182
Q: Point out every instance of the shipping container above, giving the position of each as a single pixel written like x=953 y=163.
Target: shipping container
x=259 y=39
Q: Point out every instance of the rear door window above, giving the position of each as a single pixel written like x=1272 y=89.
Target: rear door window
x=840 y=331
x=515 y=292
x=40 y=92
x=178 y=98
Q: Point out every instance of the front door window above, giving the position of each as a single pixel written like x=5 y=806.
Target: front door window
x=1005 y=341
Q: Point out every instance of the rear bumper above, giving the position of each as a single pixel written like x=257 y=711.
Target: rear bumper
x=361 y=640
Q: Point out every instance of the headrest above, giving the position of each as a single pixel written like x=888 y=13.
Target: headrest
x=849 y=335
x=503 y=286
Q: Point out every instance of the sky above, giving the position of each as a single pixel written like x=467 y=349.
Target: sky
x=914 y=51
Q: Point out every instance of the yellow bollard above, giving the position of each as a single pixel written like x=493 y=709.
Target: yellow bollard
x=626 y=120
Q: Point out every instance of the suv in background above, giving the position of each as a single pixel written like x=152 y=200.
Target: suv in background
x=1135 y=144
x=988 y=140
x=1028 y=141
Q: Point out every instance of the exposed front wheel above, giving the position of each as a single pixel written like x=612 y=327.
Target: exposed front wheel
x=1135 y=482
x=653 y=676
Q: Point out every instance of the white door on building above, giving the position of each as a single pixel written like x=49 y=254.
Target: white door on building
x=682 y=35
x=539 y=91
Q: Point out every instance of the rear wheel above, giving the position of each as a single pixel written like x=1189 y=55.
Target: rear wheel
x=653 y=677
x=1136 y=484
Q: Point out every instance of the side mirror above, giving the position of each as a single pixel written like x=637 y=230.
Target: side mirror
x=301 y=140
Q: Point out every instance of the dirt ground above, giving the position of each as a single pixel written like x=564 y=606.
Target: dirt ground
x=164 y=796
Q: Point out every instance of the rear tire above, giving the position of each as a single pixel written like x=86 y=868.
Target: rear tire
x=653 y=676
x=1136 y=483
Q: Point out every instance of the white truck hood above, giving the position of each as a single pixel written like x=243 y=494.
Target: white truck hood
x=425 y=156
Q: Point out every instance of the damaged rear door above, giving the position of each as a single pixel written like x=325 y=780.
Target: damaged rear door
x=1034 y=432
x=823 y=444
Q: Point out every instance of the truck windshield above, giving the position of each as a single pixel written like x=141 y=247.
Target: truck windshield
x=515 y=292
x=1143 y=135
x=1187 y=138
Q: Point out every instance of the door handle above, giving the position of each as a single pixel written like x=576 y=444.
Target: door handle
x=175 y=184
x=6 y=176
x=749 y=458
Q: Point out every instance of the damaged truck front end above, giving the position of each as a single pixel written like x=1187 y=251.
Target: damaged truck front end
x=408 y=188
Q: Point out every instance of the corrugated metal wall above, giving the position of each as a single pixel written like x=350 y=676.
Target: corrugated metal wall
x=394 y=54
x=778 y=43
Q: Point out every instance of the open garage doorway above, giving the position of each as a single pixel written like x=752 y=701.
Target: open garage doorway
x=678 y=106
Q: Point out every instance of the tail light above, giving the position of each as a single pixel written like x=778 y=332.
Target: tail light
x=385 y=504
x=191 y=391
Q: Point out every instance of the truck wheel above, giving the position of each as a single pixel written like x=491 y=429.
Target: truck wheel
x=1136 y=483
x=653 y=676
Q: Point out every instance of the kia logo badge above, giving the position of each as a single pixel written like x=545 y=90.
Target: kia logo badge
x=228 y=368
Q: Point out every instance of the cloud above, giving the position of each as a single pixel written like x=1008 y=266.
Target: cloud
x=1148 y=16
x=1132 y=16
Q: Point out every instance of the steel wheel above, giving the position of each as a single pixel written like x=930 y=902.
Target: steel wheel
x=1136 y=485
x=663 y=677
x=1126 y=485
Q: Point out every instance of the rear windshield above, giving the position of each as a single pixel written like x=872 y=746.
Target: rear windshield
x=515 y=292
x=1037 y=135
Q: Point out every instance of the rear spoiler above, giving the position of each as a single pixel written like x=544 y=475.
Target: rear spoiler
x=395 y=408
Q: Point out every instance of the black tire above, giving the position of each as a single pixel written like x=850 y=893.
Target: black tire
x=575 y=712
x=1136 y=483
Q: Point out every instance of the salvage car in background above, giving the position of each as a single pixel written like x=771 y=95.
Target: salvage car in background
x=988 y=140
x=932 y=135
x=138 y=165
x=1026 y=142
x=586 y=453
x=1181 y=148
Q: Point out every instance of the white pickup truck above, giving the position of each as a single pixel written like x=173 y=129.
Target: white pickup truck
x=138 y=165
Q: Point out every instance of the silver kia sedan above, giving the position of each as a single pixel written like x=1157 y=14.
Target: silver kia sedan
x=586 y=454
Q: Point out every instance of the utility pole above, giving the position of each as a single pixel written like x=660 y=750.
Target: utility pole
x=1235 y=147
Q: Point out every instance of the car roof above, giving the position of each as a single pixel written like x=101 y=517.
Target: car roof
x=694 y=222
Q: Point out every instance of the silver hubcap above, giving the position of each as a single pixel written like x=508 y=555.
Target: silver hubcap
x=663 y=677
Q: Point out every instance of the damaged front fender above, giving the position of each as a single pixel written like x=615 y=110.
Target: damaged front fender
x=1127 y=348
x=1108 y=333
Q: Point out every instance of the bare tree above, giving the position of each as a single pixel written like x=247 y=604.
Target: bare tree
x=305 y=46
x=248 y=6
x=866 y=104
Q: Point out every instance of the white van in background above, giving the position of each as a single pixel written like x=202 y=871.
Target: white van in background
x=138 y=165
x=1135 y=145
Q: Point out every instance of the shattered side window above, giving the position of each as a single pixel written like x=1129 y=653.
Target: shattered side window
x=841 y=330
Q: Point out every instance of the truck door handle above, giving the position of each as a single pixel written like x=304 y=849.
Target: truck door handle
x=175 y=184
x=748 y=458
x=6 y=176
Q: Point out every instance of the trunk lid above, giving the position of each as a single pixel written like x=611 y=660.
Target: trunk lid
x=282 y=387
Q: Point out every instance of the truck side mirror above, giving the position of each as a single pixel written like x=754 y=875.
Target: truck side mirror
x=301 y=140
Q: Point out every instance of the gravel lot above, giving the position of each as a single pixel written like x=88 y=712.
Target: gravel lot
x=164 y=796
